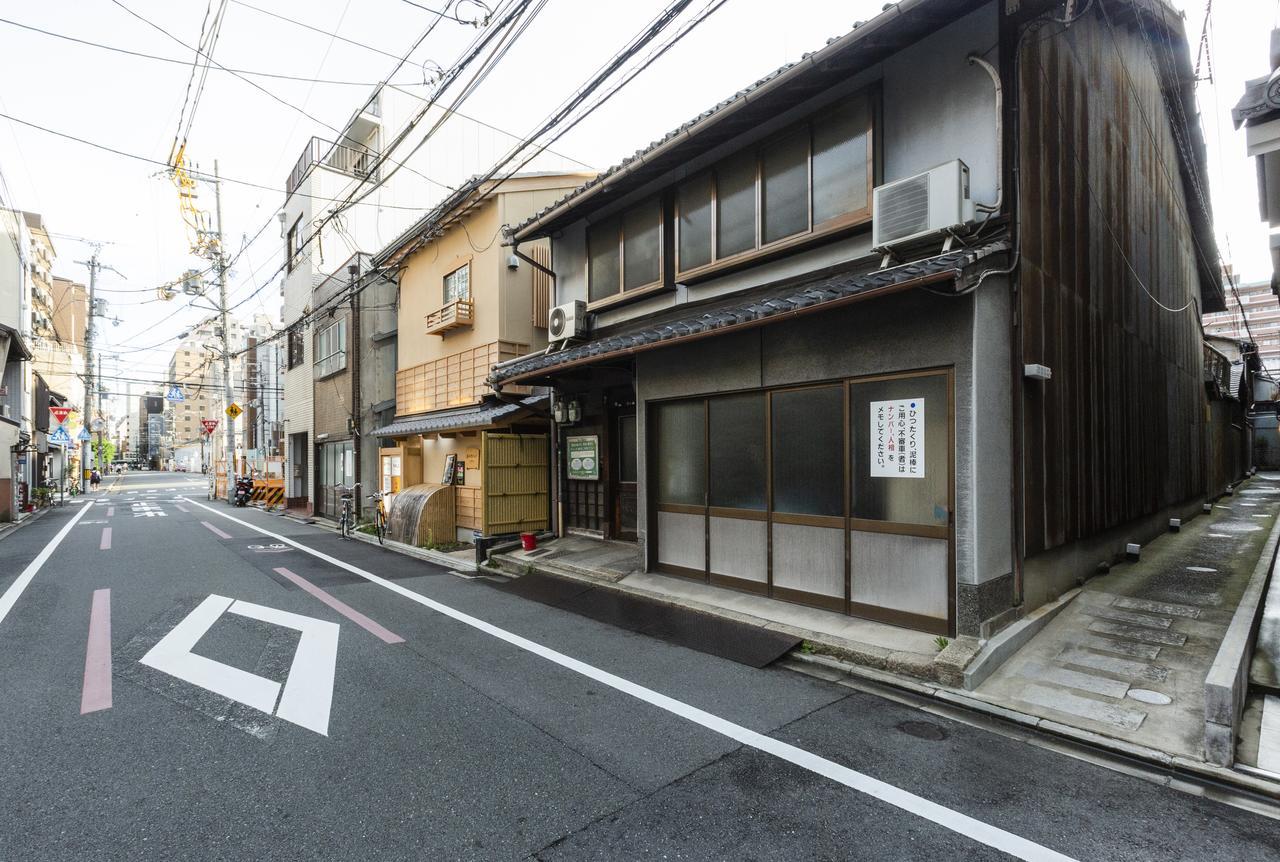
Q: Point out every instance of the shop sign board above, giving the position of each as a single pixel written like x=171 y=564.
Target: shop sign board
x=897 y=438
x=583 y=457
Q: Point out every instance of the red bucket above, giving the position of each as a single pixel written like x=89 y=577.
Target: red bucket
x=528 y=541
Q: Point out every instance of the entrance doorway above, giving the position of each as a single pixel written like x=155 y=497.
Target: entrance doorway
x=626 y=478
x=836 y=494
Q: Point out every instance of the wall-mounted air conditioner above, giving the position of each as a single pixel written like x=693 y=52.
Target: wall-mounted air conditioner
x=924 y=204
x=567 y=321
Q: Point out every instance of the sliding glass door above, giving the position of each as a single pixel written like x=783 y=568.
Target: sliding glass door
x=837 y=495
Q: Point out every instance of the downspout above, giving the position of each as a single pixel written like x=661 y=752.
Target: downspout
x=556 y=515
x=975 y=60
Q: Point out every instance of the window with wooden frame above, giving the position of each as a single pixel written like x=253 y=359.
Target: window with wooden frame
x=625 y=253
x=457 y=284
x=813 y=179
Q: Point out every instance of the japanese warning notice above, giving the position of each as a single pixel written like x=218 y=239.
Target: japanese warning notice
x=897 y=438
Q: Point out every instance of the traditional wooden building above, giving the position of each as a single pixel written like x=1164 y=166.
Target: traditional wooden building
x=905 y=330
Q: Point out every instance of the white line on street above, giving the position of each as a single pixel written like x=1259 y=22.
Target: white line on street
x=173 y=656
x=19 y=584
x=947 y=818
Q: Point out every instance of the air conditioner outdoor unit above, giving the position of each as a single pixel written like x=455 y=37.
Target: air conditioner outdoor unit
x=567 y=321
x=924 y=204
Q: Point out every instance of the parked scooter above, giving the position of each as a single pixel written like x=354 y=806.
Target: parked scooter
x=243 y=490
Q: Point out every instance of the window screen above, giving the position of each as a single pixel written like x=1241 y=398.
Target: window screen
x=694 y=202
x=808 y=451
x=642 y=245
x=682 y=465
x=784 y=168
x=840 y=168
x=736 y=440
x=736 y=205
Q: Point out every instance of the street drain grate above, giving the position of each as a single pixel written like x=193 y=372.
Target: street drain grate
x=923 y=730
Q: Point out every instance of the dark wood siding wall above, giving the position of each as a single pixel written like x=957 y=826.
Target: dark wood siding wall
x=1118 y=432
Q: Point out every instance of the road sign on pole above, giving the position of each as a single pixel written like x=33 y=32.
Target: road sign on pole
x=84 y=435
x=175 y=394
x=234 y=410
x=59 y=414
x=209 y=425
x=60 y=435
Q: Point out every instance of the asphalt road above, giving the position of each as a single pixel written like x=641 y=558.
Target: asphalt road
x=362 y=705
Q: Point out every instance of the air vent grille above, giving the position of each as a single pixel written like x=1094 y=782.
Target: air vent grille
x=904 y=209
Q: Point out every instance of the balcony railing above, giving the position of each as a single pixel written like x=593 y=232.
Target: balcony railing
x=355 y=162
x=454 y=315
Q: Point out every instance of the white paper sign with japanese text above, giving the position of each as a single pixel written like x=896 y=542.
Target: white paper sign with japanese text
x=897 y=438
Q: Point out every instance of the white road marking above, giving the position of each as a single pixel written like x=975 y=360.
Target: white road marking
x=308 y=691
x=20 y=583
x=1200 y=569
x=173 y=656
x=947 y=818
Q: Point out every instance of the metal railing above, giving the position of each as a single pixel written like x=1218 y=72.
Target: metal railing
x=353 y=161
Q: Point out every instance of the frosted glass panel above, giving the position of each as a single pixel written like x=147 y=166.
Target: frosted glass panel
x=808 y=451
x=737 y=451
x=682 y=464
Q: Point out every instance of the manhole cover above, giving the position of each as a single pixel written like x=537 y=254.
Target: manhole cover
x=1147 y=696
x=923 y=730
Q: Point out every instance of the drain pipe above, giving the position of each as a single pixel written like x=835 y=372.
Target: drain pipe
x=975 y=60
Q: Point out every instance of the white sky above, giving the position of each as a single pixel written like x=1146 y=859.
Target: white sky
x=132 y=104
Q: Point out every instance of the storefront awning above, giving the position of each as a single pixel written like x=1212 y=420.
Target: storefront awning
x=489 y=412
x=765 y=305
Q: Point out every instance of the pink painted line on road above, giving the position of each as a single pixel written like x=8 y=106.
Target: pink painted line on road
x=104 y=544
x=96 y=694
x=111 y=510
x=346 y=610
x=216 y=531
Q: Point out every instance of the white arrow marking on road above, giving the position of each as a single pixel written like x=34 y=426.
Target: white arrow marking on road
x=962 y=824
x=308 y=692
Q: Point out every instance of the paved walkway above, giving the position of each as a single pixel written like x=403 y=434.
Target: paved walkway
x=1128 y=657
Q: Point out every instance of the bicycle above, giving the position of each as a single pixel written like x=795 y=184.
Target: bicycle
x=346 y=522
x=379 y=515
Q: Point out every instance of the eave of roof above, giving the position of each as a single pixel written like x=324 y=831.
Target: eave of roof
x=768 y=304
x=474 y=416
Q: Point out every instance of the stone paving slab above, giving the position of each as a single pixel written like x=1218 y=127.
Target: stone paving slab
x=1151 y=626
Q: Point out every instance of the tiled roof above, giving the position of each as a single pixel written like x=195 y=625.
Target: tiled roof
x=896 y=25
x=475 y=416
x=756 y=307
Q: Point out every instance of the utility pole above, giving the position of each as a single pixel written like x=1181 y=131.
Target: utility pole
x=221 y=264
x=98 y=422
x=356 y=343
x=90 y=382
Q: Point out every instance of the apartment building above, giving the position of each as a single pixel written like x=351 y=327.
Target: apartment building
x=1255 y=318
x=17 y=429
x=196 y=370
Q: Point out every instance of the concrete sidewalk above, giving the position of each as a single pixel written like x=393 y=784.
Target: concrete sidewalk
x=1128 y=657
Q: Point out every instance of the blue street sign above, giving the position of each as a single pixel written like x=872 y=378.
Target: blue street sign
x=175 y=394
x=83 y=436
x=60 y=435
